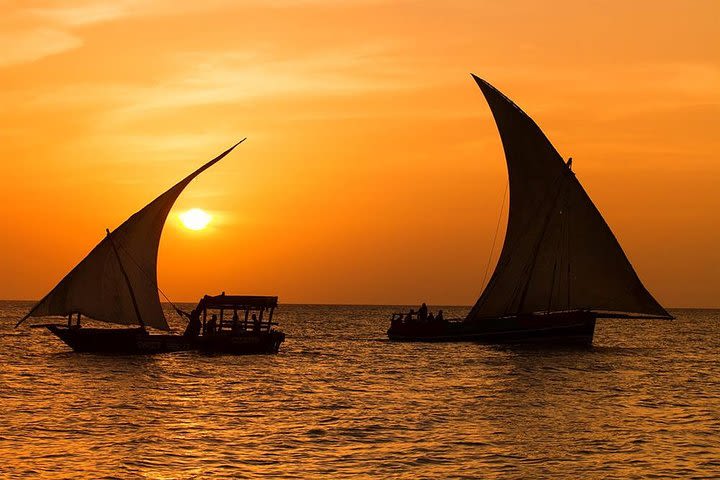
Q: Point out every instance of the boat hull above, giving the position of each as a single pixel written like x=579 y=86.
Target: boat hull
x=135 y=341
x=128 y=341
x=564 y=328
x=241 y=344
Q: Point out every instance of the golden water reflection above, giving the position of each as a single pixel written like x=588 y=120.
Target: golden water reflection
x=340 y=401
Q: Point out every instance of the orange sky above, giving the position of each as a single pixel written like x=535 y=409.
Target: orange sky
x=373 y=171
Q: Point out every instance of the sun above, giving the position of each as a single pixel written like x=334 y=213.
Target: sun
x=195 y=219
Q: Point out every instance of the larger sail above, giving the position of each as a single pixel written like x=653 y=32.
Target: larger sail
x=558 y=254
x=97 y=288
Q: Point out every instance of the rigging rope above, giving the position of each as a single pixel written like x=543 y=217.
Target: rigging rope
x=153 y=281
x=497 y=229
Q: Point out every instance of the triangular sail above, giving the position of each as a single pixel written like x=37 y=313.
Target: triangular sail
x=558 y=254
x=97 y=288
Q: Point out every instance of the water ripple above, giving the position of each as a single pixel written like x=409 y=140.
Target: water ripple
x=341 y=401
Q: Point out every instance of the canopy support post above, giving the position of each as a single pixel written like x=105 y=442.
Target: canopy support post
x=127 y=280
x=204 y=326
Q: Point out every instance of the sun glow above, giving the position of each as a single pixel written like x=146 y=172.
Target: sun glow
x=195 y=219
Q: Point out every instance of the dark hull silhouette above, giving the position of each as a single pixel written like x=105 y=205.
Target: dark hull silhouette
x=119 y=340
x=563 y=328
x=244 y=343
x=136 y=341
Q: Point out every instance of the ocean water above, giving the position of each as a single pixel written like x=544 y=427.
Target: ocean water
x=340 y=401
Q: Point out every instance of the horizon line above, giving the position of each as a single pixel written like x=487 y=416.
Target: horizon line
x=366 y=304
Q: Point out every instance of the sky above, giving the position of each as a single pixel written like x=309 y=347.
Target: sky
x=373 y=172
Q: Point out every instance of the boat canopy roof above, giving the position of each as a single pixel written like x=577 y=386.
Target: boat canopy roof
x=237 y=302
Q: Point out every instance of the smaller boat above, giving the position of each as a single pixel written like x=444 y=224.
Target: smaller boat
x=116 y=284
x=235 y=324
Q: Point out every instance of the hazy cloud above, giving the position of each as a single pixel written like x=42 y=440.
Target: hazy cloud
x=33 y=44
x=28 y=34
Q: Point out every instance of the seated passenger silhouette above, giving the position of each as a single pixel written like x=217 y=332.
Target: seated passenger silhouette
x=422 y=312
x=439 y=316
x=212 y=325
x=194 y=325
x=409 y=316
x=256 y=323
x=430 y=317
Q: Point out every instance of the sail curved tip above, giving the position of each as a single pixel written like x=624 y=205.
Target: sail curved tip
x=479 y=80
x=483 y=84
x=231 y=148
x=238 y=143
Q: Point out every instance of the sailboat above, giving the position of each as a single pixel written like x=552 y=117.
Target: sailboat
x=560 y=267
x=116 y=283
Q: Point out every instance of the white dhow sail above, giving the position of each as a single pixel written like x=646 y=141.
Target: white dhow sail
x=99 y=289
x=558 y=254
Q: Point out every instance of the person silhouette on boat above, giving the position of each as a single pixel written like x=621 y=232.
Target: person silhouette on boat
x=430 y=317
x=212 y=325
x=235 y=321
x=194 y=325
x=409 y=316
x=256 y=323
x=423 y=312
x=439 y=316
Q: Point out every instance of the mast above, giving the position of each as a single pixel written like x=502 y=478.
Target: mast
x=127 y=280
x=534 y=259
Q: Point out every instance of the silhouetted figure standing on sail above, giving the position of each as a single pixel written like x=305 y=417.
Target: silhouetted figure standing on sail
x=422 y=312
x=569 y=163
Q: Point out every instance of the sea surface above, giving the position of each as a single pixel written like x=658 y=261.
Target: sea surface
x=341 y=401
